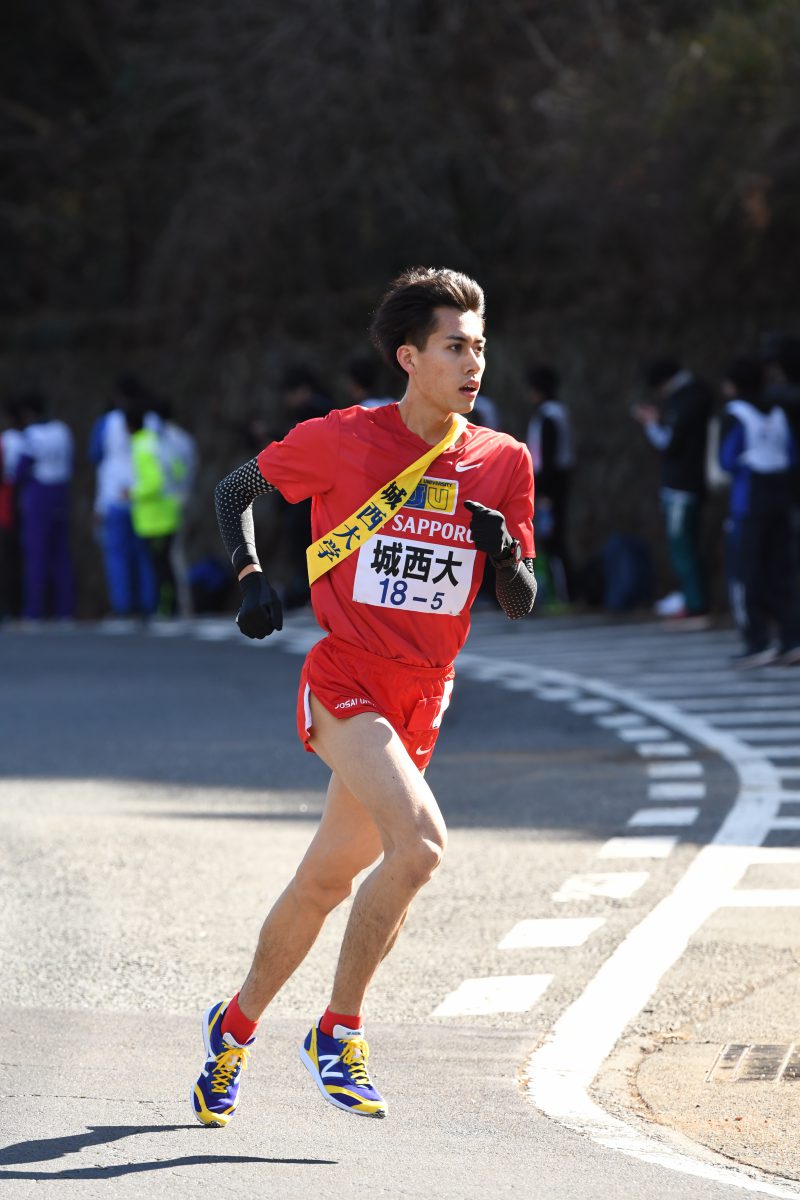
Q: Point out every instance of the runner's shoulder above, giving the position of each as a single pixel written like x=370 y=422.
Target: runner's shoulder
x=357 y=418
x=496 y=443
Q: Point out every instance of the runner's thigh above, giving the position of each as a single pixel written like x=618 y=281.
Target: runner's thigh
x=368 y=757
x=346 y=842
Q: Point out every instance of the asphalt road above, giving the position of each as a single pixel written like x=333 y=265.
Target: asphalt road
x=154 y=800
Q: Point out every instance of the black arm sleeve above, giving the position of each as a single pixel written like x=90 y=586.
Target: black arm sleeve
x=233 y=499
x=515 y=588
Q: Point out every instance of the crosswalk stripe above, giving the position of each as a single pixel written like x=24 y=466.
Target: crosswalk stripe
x=644 y=733
x=676 y=791
x=638 y=847
x=621 y=720
x=664 y=816
x=763 y=898
x=749 y=716
x=617 y=885
x=676 y=770
x=495 y=994
x=662 y=749
x=541 y=932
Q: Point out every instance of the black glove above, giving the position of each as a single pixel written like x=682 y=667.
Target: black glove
x=489 y=532
x=260 y=613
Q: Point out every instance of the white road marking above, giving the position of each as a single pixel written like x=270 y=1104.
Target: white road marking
x=589 y=708
x=677 y=791
x=620 y=720
x=561 y=1071
x=662 y=749
x=700 y=678
x=664 y=816
x=768 y=716
x=763 y=898
x=618 y=885
x=517 y=685
x=711 y=704
x=677 y=770
x=497 y=994
x=539 y=932
x=557 y=695
x=774 y=855
x=791 y=734
x=638 y=847
x=644 y=733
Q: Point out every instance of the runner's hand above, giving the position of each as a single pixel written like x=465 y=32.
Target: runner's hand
x=260 y=613
x=489 y=532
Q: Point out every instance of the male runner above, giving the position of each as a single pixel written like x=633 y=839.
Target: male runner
x=373 y=692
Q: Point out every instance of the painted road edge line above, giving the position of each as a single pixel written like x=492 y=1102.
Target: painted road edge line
x=559 y=1073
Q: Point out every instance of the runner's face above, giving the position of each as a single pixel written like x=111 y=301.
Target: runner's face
x=447 y=373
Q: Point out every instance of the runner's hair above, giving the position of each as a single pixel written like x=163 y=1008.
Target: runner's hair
x=406 y=314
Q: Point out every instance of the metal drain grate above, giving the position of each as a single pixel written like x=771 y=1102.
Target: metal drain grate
x=756 y=1062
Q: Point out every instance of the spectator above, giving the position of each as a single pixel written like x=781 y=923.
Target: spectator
x=781 y=357
x=43 y=474
x=549 y=439
x=10 y=558
x=130 y=578
x=678 y=428
x=179 y=455
x=155 y=507
x=758 y=450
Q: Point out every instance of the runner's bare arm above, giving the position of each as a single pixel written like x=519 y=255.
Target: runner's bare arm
x=515 y=588
x=233 y=499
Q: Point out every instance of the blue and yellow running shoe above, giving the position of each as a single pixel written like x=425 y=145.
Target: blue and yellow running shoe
x=216 y=1093
x=338 y=1066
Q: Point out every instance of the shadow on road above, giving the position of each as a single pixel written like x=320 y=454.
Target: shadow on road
x=188 y=715
x=46 y=1149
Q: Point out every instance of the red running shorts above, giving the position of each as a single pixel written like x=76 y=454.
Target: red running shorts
x=347 y=680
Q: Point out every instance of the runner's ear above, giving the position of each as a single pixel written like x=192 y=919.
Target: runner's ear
x=406 y=358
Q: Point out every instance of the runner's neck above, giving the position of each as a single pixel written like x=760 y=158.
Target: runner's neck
x=431 y=427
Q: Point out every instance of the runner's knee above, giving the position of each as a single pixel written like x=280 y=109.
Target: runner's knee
x=320 y=891
x=417 y=862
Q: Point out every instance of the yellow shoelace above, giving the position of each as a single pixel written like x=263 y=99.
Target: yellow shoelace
x=355 y=1057
x=228 y=1063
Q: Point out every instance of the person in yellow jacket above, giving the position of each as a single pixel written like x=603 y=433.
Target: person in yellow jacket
x=155 y=506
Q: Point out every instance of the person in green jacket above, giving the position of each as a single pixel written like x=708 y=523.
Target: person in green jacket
x=155 y=506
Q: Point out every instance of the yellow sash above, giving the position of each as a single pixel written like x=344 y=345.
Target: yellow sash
x=337 y=545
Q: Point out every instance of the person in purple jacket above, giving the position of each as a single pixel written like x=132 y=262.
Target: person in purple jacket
x=43 y=474
x=758 y=450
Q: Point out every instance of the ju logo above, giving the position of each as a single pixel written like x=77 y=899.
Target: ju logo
x=434 y=495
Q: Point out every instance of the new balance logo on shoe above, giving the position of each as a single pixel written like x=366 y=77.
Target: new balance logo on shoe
x=327 y=1071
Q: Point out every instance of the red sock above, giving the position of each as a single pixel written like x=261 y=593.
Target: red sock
x=329 y=1019
x=237 y=1024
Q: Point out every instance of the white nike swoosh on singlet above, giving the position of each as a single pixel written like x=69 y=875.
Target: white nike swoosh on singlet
x=427 y=750
x=467 y=466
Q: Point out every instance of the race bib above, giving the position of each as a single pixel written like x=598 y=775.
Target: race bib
x=414 y=576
